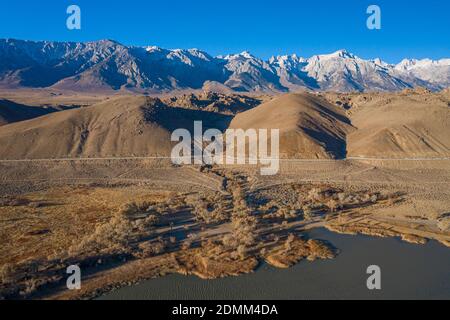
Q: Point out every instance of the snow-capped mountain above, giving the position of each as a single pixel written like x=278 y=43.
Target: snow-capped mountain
x=107 y=65
x=343 y=71
x=436 y=73
x=248 y=73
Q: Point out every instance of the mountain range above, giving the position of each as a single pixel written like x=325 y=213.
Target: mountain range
x=109 y=65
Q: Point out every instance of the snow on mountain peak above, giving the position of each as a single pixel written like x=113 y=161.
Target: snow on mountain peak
x=153 y=49
x=342 y=54
x=409 y=64
x=287 y=61
x=246 y=54
x=162 y=69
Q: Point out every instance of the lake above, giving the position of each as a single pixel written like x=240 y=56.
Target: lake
x=407 y=272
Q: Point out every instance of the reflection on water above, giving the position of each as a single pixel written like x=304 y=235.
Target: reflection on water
x=408 y=272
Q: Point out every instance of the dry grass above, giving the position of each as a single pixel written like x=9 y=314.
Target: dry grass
x=71 y=226
x=207 y=233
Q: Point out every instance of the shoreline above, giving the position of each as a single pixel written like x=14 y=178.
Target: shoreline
x=140 y=268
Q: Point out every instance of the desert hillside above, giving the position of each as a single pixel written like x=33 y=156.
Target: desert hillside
x=124 y=126
x=411 y=124
x=13 y=112
x=310 y=127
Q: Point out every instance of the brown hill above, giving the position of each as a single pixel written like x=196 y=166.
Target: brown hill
x=13 y=112
x=403 y=125
x=310 y=127
x=446 y=94
x=125 y=126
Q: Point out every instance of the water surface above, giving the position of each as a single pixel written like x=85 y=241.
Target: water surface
x=408 y=272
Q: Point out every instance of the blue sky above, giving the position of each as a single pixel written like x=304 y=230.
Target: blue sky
x=415 y=29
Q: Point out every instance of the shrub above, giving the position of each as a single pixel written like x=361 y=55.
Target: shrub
x=315 y=194
x=444 y=224
x=263 y=252
x=289 y=241
x=159 y=247
x=332 y=205
x=242 y=252
x=186 y=245
x=341 y=197
x=307 y=213
x=115 y=236
x=6 y=273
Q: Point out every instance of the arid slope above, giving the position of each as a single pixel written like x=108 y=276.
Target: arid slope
x=11 y=112
x=410 y=124
x=404 y=125
x=120 y=127
x=309 y=126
